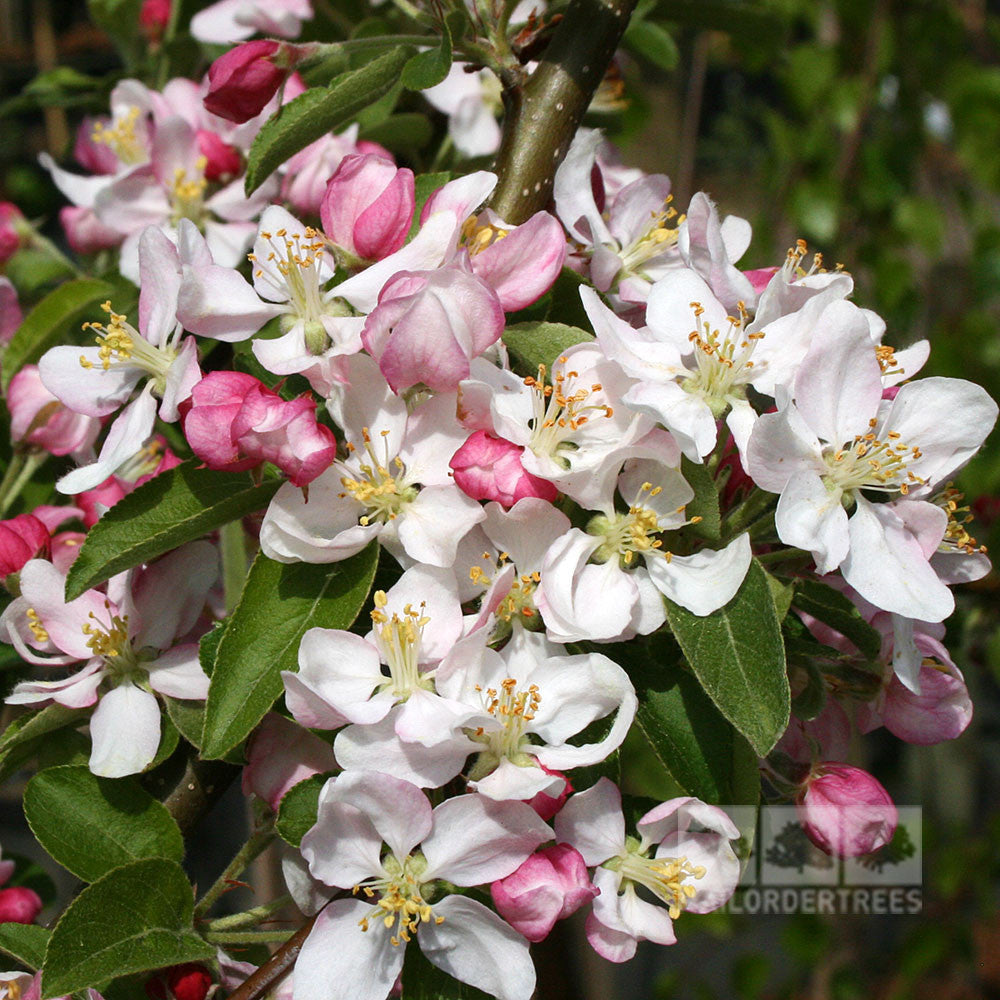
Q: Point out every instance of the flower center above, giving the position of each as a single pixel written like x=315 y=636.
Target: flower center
x=869 y=462
x=723 y=360
x=560 y=410
x=520 y=600
x=10 y=990
x=187 y=194
x=119 y=136
x=665 y=878
x=514 y=709
x=398 y=639
x=111 y=641
x=121 y=344
x=956 y=535
x=35 y=624
x=633 y=532
x=659 y=237
x=401 y=907
x=292 y=268
x=478 y=236
x=374 y=486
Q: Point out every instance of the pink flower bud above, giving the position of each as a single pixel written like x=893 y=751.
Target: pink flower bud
x=428 y=325
x=85 y=233
x=280 y=754
x=65 y=549
x=243 y=80
x=368 y=206
x=761 y=277
x=549 y=886
x=19 y=905
x=236 y=422
x=845 y=811
x=489 y=468
x=10 y=310
x=22 y=538
x=548 y=805
x=221 y=159
x=154 y=16
x=10 y=230
x=38 y=418
x=829 y=733
x=189 y=981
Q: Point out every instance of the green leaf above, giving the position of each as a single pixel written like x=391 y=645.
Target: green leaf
x=424 y=186
x=538 y=343
x=48 y=323
x=188 y=717
x=25 y=943
x=34 y=724
x=318 y=111
x=706 y=499
x=135 y=918
x=781 y=594
x=297 y=810
x=424 y=981
x=175 y=507
x=404 y=132
x=652 y=42
x=738 y=656
x=697 y=746
x=279 y=603
x=30 y=270
x=834 y=609
x=427 y=69
x=120 y=19
x=92 y=825
x=208 y=647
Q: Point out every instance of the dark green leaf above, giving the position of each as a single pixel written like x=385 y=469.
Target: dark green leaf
x=534 y=344
x=318 y=111
x=48 y=323
x=425 y=185
x=297 y=810
x=405 y=132
x=208 y=647
x=738 y=656
x=135 y=918
x=188 y=717
x=25 y=943
x=34 y=724
x=175 y=507
x=706 y=499
x=834 y=609
x=92 y=825
x=279 y=603
x=424 y=981
x=427 y=69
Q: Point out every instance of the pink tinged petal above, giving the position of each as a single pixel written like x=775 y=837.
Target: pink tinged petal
x=160 y=281
x=429 y=719
x=433 y=590
x=611 y=944
x=925 y=521
x=127 y=435
x=520 y=782
x=178 y=673
x=941 y=711
x=477 y=840
x=76 y=691
x=398 y=810
x=705 y=581
x=593 y=823
x=280 y=754
x=887 y=568
x=342 y=670
x=343 y=847
x=683 y=814
x=577 y=690
x=669 y=310
x=909 y=361
x=378 y=747
x=43 y=586
x=522 y=266
x=475 y=946
x=839 y=383
x=462 y=196
x=80 y=189
x=573 y=190
x=647 y=921
x=946 y=418
x=308 y=708
x=182 y=376
x=781 y=445
x=810 y=516
x=339 y=961
x=125 y=730
x=686 y=415
x=310 y=895
x=220 y=303
x=713 y=853
x=435 y=522
x=131 y=202
x=92 y=391
x=636 y=205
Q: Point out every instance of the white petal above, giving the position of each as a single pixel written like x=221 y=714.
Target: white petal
x=125 y=730
x=593 y=823
x=811 y=517
x=705 y=581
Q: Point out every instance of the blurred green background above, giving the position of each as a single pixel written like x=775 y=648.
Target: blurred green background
x=871 y=129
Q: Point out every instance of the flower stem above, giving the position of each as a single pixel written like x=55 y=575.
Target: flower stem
x=261 y=982
x=246 y=937
x=248 y=918
x=22 y=467
x=259 y=839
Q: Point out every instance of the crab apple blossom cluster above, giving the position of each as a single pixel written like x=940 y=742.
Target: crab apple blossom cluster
x=544 y=504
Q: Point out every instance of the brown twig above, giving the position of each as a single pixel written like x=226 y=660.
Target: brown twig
x=261 y=982
x=543 y=113
x=198 y=789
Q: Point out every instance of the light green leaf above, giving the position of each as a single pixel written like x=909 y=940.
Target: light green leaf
x=427 y=69
x=706 y=499
x=279 y=603
x=318 y=111
x=175 y=507
x=738 y=656
x=653 y=42
x=49 y=322
x=135 y=918
x=25 y=943
x=92 y=825
x=539 y=343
